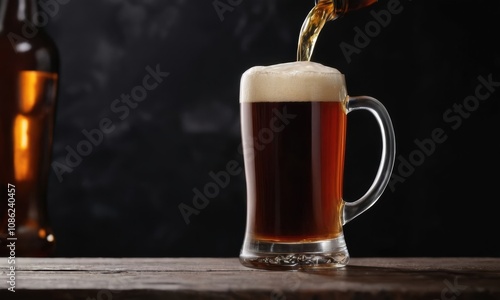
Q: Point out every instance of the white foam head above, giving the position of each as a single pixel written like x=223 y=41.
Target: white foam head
x=297 y=81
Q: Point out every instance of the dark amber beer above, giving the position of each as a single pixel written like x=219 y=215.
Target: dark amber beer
x=294 y=124
x=28 y=92
x=303 y=164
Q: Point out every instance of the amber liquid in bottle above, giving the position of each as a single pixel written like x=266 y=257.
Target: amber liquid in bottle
x=28 y=93
x=323 y=11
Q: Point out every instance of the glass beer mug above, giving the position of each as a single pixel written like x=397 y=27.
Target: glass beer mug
x=293 y=122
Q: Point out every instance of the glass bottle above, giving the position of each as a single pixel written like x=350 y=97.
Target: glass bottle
x=29 y=67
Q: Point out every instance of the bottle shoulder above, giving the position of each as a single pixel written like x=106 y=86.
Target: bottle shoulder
x=38 y=52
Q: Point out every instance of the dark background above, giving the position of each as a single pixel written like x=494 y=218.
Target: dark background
x=123 y=198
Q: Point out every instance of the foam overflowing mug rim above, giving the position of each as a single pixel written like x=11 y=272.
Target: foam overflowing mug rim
x=298 y=81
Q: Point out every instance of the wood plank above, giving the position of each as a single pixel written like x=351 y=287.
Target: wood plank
x=225 y=278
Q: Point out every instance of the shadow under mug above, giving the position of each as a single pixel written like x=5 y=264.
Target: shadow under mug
x=294 y=166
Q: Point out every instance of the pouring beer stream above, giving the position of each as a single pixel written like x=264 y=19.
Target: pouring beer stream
x=323 y=11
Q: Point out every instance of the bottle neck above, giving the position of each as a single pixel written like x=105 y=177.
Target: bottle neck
x=343 y=6
x=340 y=6
x=16 y=13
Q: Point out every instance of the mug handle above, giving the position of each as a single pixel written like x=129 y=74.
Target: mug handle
x=353 y=209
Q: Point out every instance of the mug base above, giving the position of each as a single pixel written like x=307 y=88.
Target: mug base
x=324 y=254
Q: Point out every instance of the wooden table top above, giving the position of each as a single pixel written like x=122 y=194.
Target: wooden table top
x=225 y=278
